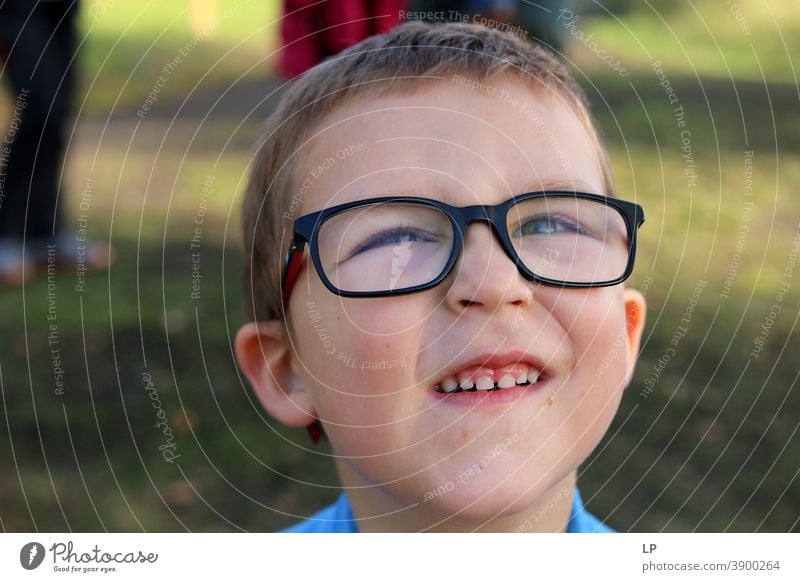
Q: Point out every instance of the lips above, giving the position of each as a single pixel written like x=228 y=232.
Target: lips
x=491 y=371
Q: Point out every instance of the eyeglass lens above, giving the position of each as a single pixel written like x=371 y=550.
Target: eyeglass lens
x=392 y=246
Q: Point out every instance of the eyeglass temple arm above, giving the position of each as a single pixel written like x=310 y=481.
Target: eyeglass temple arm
x=294 y=261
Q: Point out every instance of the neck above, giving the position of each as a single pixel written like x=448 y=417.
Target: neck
x=376 y=509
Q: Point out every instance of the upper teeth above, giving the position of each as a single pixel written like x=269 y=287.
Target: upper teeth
x=483 y=381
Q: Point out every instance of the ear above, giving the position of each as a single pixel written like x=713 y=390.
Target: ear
x=263 y=352
x=635 y=313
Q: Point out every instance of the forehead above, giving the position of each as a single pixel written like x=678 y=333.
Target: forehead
x=450 y=140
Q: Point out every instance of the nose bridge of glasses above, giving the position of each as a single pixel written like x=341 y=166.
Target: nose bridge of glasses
x=493 y=217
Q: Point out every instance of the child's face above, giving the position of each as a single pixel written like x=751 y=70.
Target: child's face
x=370 y=365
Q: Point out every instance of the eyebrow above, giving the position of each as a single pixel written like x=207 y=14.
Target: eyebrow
x=534 y=185
x=570 y=185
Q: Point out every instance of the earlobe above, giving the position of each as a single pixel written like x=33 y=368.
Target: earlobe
x=264 y=355
x=635 y=314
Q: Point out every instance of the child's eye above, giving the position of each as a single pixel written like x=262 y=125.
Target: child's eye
x=401 y=235
x=548 y=224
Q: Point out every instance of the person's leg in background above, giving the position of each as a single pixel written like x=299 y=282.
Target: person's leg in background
x=40 y=65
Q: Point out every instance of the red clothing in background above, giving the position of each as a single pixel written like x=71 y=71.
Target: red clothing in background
x=312 y=30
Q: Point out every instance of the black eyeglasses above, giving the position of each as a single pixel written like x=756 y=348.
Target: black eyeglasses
x=394 y=245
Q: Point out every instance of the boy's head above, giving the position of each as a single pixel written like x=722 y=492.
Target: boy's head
x=464 y=115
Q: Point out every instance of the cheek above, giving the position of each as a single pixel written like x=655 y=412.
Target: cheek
x=597 y=335
x=359 y=363
x=600 y=375
x=603 y=353
x=595 y=326
x=381 y=340
x=393 y=319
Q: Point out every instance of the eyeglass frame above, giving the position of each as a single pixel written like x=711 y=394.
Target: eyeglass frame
x=306 y=232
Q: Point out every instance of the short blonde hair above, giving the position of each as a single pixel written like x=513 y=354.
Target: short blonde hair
x=401 y=60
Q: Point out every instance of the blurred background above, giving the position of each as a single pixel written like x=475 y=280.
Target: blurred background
x=699 y=102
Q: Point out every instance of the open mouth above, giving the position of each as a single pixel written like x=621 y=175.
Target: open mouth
x=485 y=379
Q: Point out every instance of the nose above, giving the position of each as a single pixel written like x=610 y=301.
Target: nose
x=484 y=276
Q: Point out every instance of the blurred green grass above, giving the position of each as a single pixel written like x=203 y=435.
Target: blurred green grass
x=712 y=448
x=129 y=43
x=746 y=39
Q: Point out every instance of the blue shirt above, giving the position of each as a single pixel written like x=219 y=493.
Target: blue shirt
x=338 y=518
